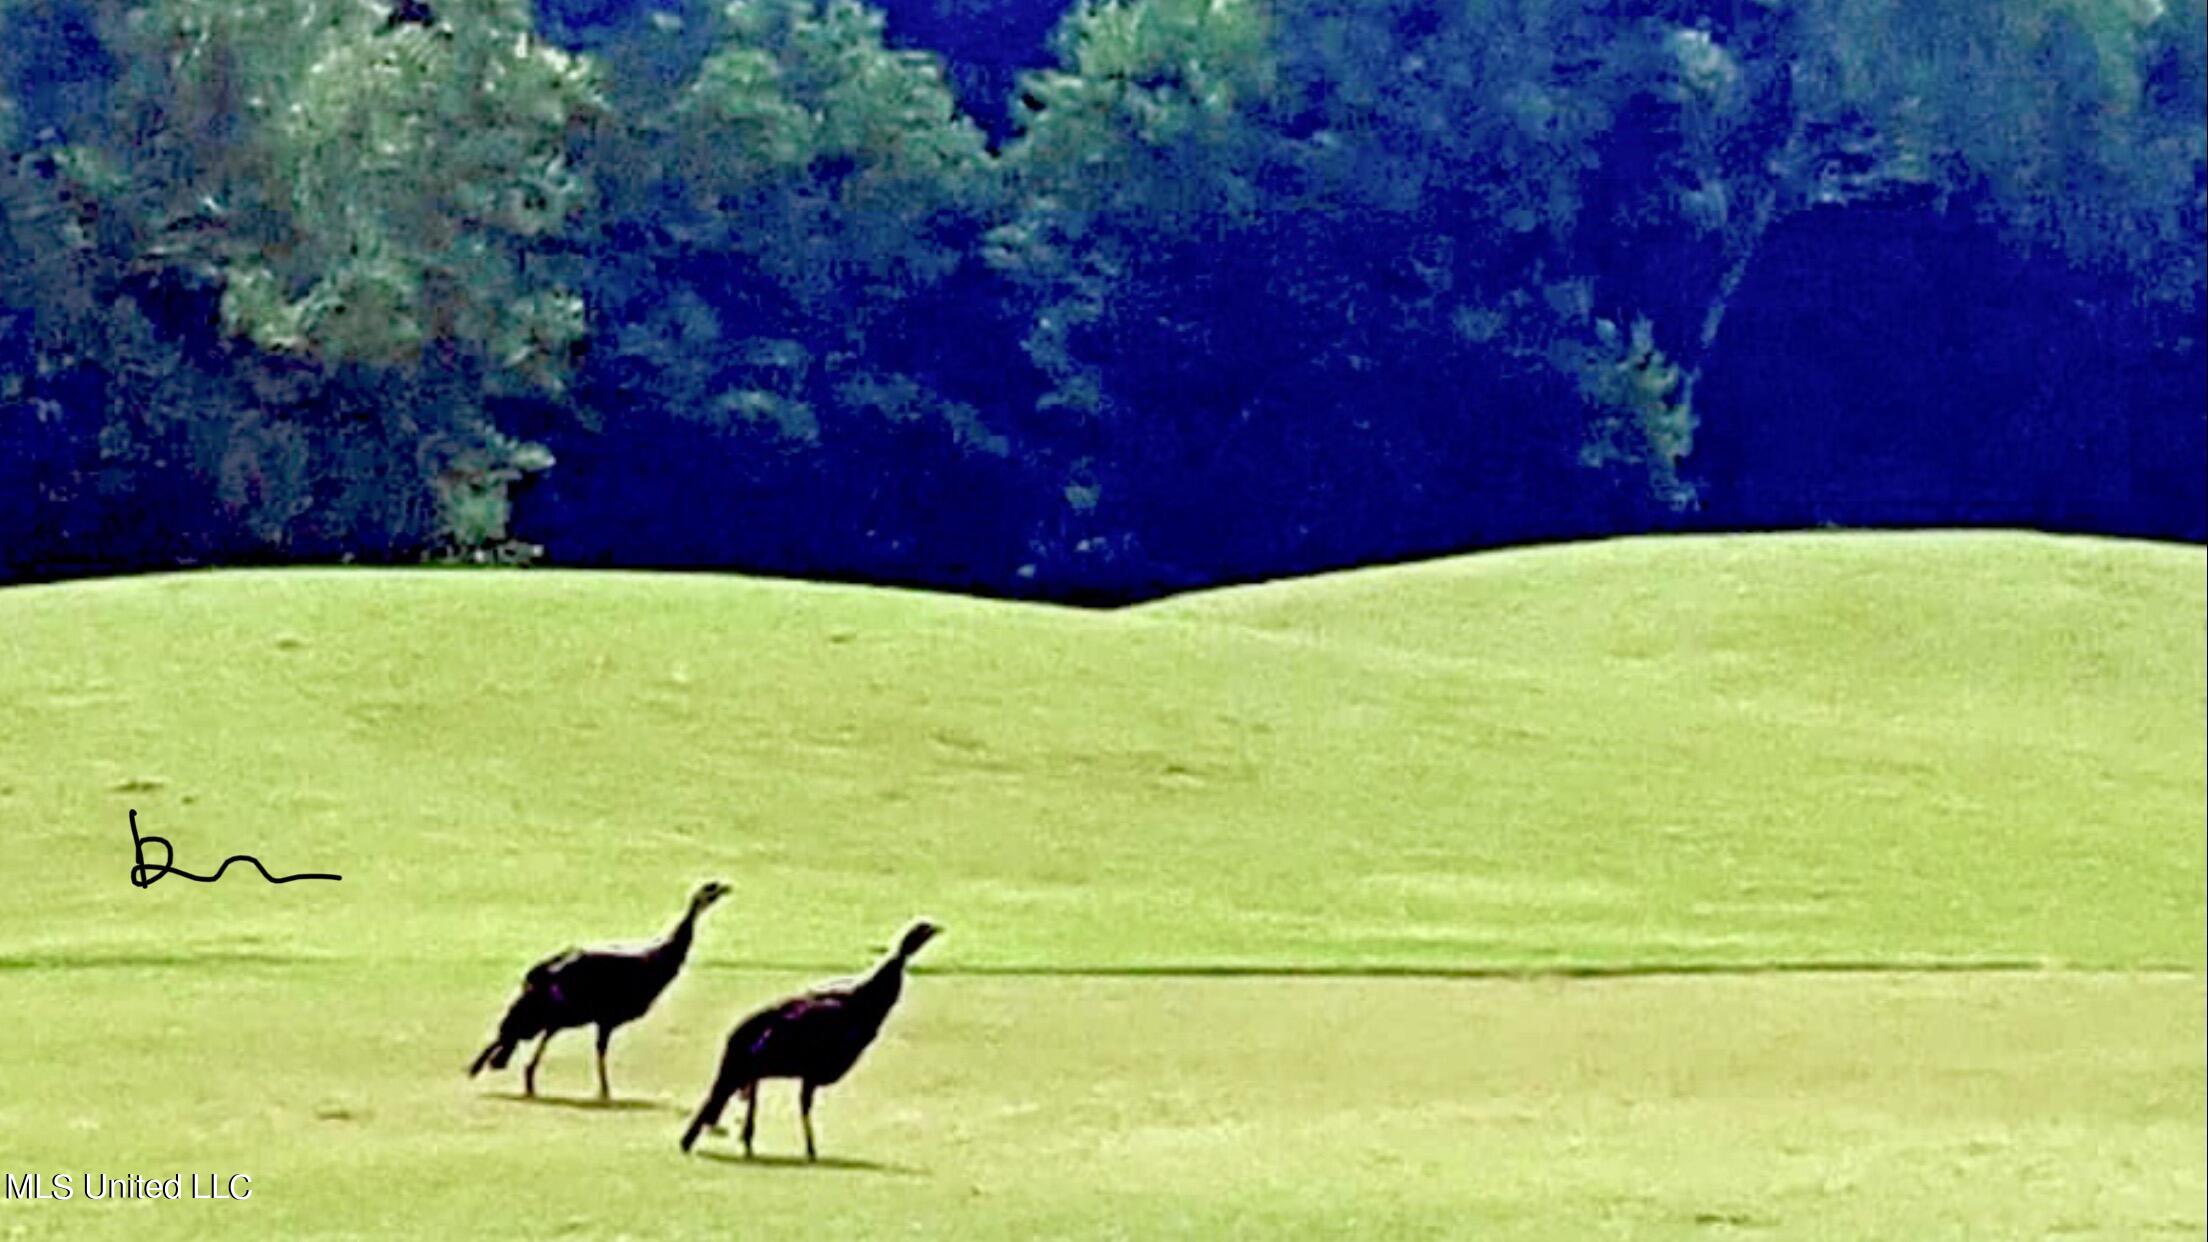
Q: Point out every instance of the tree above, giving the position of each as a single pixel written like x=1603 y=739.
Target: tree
x=362 y=202
x=782 y=280
x=1327 y=256
x=2076 y=124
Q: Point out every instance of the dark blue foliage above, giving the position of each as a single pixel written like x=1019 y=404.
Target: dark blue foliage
x=53 y=66
x=985 y=45
x=1301 y=380
x=1898 y=365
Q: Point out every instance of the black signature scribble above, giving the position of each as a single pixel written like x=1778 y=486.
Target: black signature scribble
x=144 y=873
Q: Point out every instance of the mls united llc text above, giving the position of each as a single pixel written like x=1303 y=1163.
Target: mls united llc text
x=127 y=1186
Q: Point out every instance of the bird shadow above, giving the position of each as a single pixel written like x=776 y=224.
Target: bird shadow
x=837 y=1164
x=589 y=1103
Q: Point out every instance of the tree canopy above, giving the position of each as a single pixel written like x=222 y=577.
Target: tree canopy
x=1236 y=286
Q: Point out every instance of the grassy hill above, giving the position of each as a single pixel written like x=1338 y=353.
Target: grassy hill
x=1639 y=754
x=1929 y=741
x=1943 y=751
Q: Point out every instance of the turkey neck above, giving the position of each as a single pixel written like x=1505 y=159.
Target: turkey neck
x=669 y=953
x=878 y=991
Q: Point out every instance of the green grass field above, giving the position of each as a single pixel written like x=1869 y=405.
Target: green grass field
x=1806 y=886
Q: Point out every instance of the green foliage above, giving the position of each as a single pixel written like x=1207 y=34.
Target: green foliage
x=473 y=509
x=1229 y=236
x=1154 y=94
x=410 y=168
x=2044 y=108
x=1398 y=183
x=1494 y=107
x=363 y=193
x=1642 y=412
x=269 y=453
x=808 y=145
x=1137 y=199
x=842 y=181
x=1149 y=138
x=366 y=200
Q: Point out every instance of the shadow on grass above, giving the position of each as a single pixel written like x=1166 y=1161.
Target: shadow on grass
x=825 y=1163
x=589 y=1103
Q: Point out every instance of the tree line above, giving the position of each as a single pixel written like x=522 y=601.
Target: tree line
x=1233 y=288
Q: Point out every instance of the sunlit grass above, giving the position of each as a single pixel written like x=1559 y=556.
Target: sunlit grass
x=1941 y=750
x=1857 y=1106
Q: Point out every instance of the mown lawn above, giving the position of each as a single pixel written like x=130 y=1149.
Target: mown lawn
x=1978 y=755
x=1857 y=1106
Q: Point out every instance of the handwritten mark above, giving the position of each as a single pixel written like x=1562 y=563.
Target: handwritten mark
x=144 y=873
